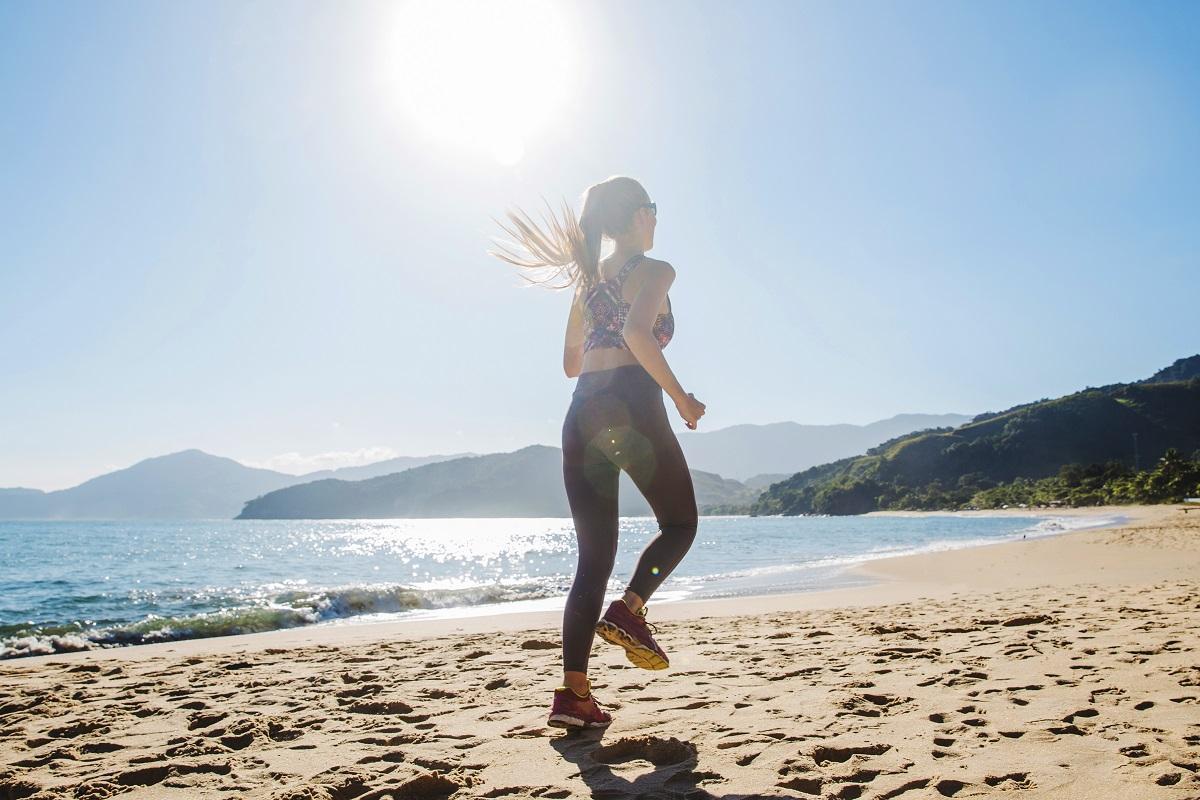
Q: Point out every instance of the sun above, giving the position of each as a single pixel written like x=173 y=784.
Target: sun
x=486 y=75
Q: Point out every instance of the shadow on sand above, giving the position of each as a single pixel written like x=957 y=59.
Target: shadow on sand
x=674 y=776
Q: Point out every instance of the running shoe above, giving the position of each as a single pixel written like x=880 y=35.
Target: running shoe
x=575 y=712
x=626 y=629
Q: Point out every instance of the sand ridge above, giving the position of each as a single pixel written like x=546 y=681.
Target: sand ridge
x=1083 y=689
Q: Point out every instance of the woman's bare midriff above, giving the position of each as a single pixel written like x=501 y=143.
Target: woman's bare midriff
x=599 y=358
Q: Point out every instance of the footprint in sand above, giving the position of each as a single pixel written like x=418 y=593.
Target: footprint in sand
x=949 y=787
x=77 y=729
x=1135 y=751
x=871 y=705
x=1072 y=730
x=539 y=644
x=381 y=707
x=1110 y=695
x=656 y=750
x=823 y=755
x=1083 y=712
x=1013 y=780
x=345 y=783
x=348 y=696
x=847 y=772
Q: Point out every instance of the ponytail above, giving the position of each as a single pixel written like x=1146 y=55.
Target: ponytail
x=572 y=245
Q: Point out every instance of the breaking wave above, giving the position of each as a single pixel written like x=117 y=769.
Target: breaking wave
x=292 y=608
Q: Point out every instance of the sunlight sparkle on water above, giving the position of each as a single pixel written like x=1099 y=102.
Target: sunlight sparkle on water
x=479 y=540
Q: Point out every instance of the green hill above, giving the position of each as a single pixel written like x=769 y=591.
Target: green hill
x=524 y=483
x=945 y=468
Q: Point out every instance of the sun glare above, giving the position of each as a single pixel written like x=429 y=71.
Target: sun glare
x=485 y=75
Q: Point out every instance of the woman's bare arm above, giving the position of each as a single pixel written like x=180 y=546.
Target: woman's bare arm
x=573 y=347
x=657 y=277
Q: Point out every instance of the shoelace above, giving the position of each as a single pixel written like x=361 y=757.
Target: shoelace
x=591 y=698
x=642 y=616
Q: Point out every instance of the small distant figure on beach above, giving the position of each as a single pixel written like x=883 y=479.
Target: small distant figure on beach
x=620 y=322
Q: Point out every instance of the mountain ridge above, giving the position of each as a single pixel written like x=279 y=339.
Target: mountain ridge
x=222 y=486
x=522 y=483
x=1119 y=422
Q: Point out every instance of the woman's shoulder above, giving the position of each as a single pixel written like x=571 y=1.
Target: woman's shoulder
x=656 y=266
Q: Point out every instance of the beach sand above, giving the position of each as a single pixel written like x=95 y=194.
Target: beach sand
x=1062 y=667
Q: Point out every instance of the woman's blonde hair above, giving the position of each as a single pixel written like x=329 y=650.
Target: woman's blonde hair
x=572 y=245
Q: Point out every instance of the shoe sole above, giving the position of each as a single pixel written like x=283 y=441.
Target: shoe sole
x=635 y=652
x=567 y=721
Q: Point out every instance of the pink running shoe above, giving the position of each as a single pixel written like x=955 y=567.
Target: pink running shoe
x=626 y=629
x=575 y=712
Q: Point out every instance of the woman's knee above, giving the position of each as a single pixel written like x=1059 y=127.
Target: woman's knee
x=681 y=527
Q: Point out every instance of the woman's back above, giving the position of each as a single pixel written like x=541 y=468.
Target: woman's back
x=605 y=309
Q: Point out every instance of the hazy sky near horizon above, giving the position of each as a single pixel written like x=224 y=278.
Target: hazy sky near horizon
x=240 y=227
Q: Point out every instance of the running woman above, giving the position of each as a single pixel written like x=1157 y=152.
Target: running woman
x=619 y=323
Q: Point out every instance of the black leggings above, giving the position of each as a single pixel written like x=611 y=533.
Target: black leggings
x=618 y=421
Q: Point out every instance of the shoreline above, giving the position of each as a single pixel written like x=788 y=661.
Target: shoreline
x=884 y=580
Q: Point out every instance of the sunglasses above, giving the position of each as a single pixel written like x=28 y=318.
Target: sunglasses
x=652 y=206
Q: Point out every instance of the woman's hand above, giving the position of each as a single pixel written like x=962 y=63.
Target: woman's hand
x=690 y=409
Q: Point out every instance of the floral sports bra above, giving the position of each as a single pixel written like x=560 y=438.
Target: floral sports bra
x=604 y=313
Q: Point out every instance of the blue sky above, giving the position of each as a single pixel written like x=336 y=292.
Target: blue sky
x=224 y=229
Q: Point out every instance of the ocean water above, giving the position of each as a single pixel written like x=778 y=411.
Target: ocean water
x=79 y=585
